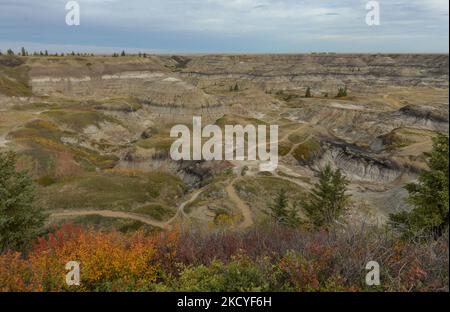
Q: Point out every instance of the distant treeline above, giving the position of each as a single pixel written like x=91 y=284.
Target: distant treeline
x=24 y=52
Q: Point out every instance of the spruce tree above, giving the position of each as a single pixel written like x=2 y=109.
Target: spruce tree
x=328 y=200
x=20 y=219
x=283 y=213
x=308 y=93
x=429 y=197
x=342 y=92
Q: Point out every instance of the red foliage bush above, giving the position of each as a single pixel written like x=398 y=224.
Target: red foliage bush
x=288 y=259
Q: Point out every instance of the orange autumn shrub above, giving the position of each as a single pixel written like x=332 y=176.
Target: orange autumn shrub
x=259 y=259
x=108 y=261
x=15 y=273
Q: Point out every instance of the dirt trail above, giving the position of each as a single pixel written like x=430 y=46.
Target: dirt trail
x=111 y=214
x=291 y=176
x=232 y=194
x=246 y=212
x=234 y=197
x=286 y=136
x=129 y=215
x=294 y=147
x=180 y=210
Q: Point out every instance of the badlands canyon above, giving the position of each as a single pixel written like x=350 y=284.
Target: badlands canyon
x=94 y=132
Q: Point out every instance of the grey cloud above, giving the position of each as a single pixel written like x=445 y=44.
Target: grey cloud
x=256 y=25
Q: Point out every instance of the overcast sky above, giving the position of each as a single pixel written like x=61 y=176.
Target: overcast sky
x=190 y=26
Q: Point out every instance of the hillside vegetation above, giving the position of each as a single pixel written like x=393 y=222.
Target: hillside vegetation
x=261 y=259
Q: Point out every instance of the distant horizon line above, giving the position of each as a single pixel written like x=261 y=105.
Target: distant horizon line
x=59 y=48
x=134 y=53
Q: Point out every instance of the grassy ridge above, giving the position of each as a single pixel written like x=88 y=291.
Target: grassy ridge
x=115 y=191
x=14 y=79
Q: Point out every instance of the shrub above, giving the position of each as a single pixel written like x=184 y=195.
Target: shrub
x=302 y=274
x=306 y=151
x=270 y=258
x=109 y=261
x=241 y=274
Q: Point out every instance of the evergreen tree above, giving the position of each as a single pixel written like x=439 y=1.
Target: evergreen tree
x=20 y=220
x=327 y=201
x=23 y=52
x=10 y=52
x=46 y=53
x=342 y=92
x=429 y=197
x=308 y=93
x=283 y=213
x=123 y=53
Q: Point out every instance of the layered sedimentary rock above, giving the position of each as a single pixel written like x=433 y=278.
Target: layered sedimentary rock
x=324 y=71
x=102 y=113
x=201 y=84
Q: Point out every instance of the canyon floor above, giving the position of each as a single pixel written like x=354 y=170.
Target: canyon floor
x=94 y=132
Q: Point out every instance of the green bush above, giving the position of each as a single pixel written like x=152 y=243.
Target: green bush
x=239 y=275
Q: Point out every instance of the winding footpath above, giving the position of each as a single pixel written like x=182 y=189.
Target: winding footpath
x=111 y=214
x=165 y=225
x=180 y=214
x=234 y=197
x=245 y=209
